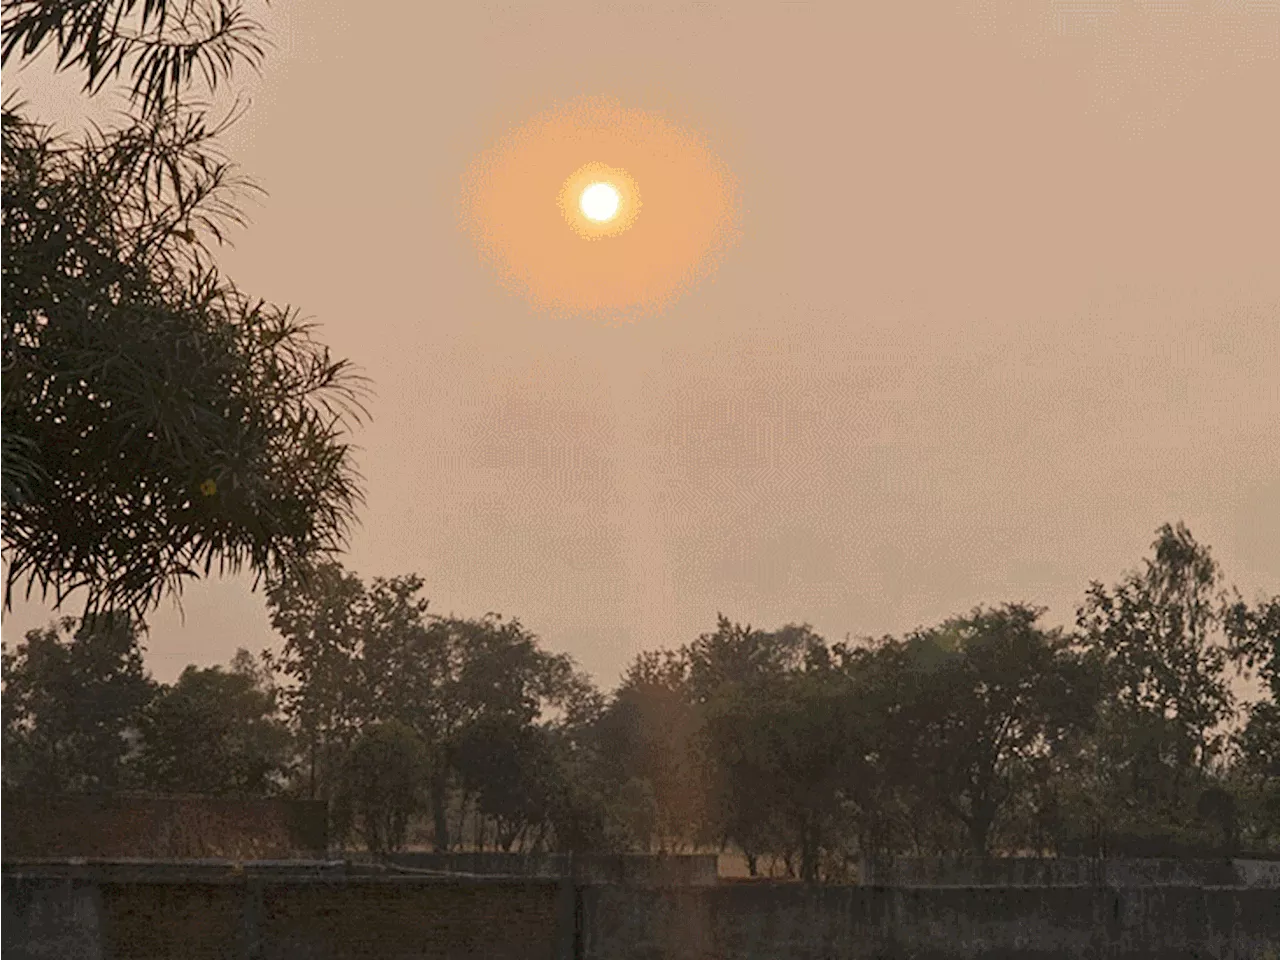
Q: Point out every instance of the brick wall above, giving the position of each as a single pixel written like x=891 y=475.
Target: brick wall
x=758 y=922
x=197 y=921
x=1070 y=871
x=397 y=920
x=273 y=917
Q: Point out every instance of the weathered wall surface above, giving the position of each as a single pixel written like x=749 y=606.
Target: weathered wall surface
x=1257 y=873
x=1070 y=871
x=124 y=826
x=273 y=917
x=193 y=920
x=396 y=920
x=746 y=922
x=53 y=919
x=259 y=919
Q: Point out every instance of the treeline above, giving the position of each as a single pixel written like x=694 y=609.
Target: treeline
x=988 y=733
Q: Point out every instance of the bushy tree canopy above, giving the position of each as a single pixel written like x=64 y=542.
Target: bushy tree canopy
x=158 y=422
x=73 y=693
x=215 y=731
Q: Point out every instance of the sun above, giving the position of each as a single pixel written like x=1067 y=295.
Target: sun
x=600 y=201
x=554 y=208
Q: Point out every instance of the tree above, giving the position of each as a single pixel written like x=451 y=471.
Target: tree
x=510 y=768
x=587 y=815
x=888 y=813
x=587 y=812
x=1254 y=637
x=1254 y=640
x=162 y=45
x=495 y=676
x=326 y=700
x=158 y=422
x=753 y=699
x=1158 y=632
x=1217 y=806
x=382 y=784
x=357 y=655
x=215 y=731
x=653 y=731
x=787 y=751
x=74 y=694
x=401 y=663
x=780 y=741
x=638 y=809
x=1259 y=741
x=737 y=655
x=985 y=698
x=10 y=717
x=1159 y=638
x=20 y=468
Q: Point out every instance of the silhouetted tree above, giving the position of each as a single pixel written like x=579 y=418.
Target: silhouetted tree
x=1254 y=633
x=478 y=693
x=638 y=809
x=788 y=750
x=157 y=421
x=1159 y=632
x=381 y=785
x=984 y=699
x=735 y=656
x=215 y=731
x=325 y=699
x=510 y=769
x=74 y=694
x=653 y=731
x=496 y=676
x=1159 y=638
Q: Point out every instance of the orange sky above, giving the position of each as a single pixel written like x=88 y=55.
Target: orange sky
x=1006 y=298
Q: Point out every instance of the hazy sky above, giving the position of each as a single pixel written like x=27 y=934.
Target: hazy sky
x=1006 y=298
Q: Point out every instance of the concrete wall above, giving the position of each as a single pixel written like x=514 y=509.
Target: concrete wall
x=52 y=919
x=286 y=919
x=148 y=826
x=268 y=916
x=757 y=922
x=626 y=869
x=1257 y=873
x=1070 y=871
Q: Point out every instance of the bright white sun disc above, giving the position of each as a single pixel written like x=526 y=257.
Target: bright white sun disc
x=599 y=202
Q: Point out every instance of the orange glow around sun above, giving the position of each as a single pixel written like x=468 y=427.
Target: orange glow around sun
x=596 y=209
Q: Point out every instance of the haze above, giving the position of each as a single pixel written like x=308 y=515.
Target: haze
x=1006 y=298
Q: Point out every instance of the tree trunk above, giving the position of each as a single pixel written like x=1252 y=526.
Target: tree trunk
x=981 y=822
x=440 y=810
x=462 y=817
x=506 y=837
x=980 y=829
x=809 y=850
x=539 y=838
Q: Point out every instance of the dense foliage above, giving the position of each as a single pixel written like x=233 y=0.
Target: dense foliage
x=985 y=734
x=158 y=422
